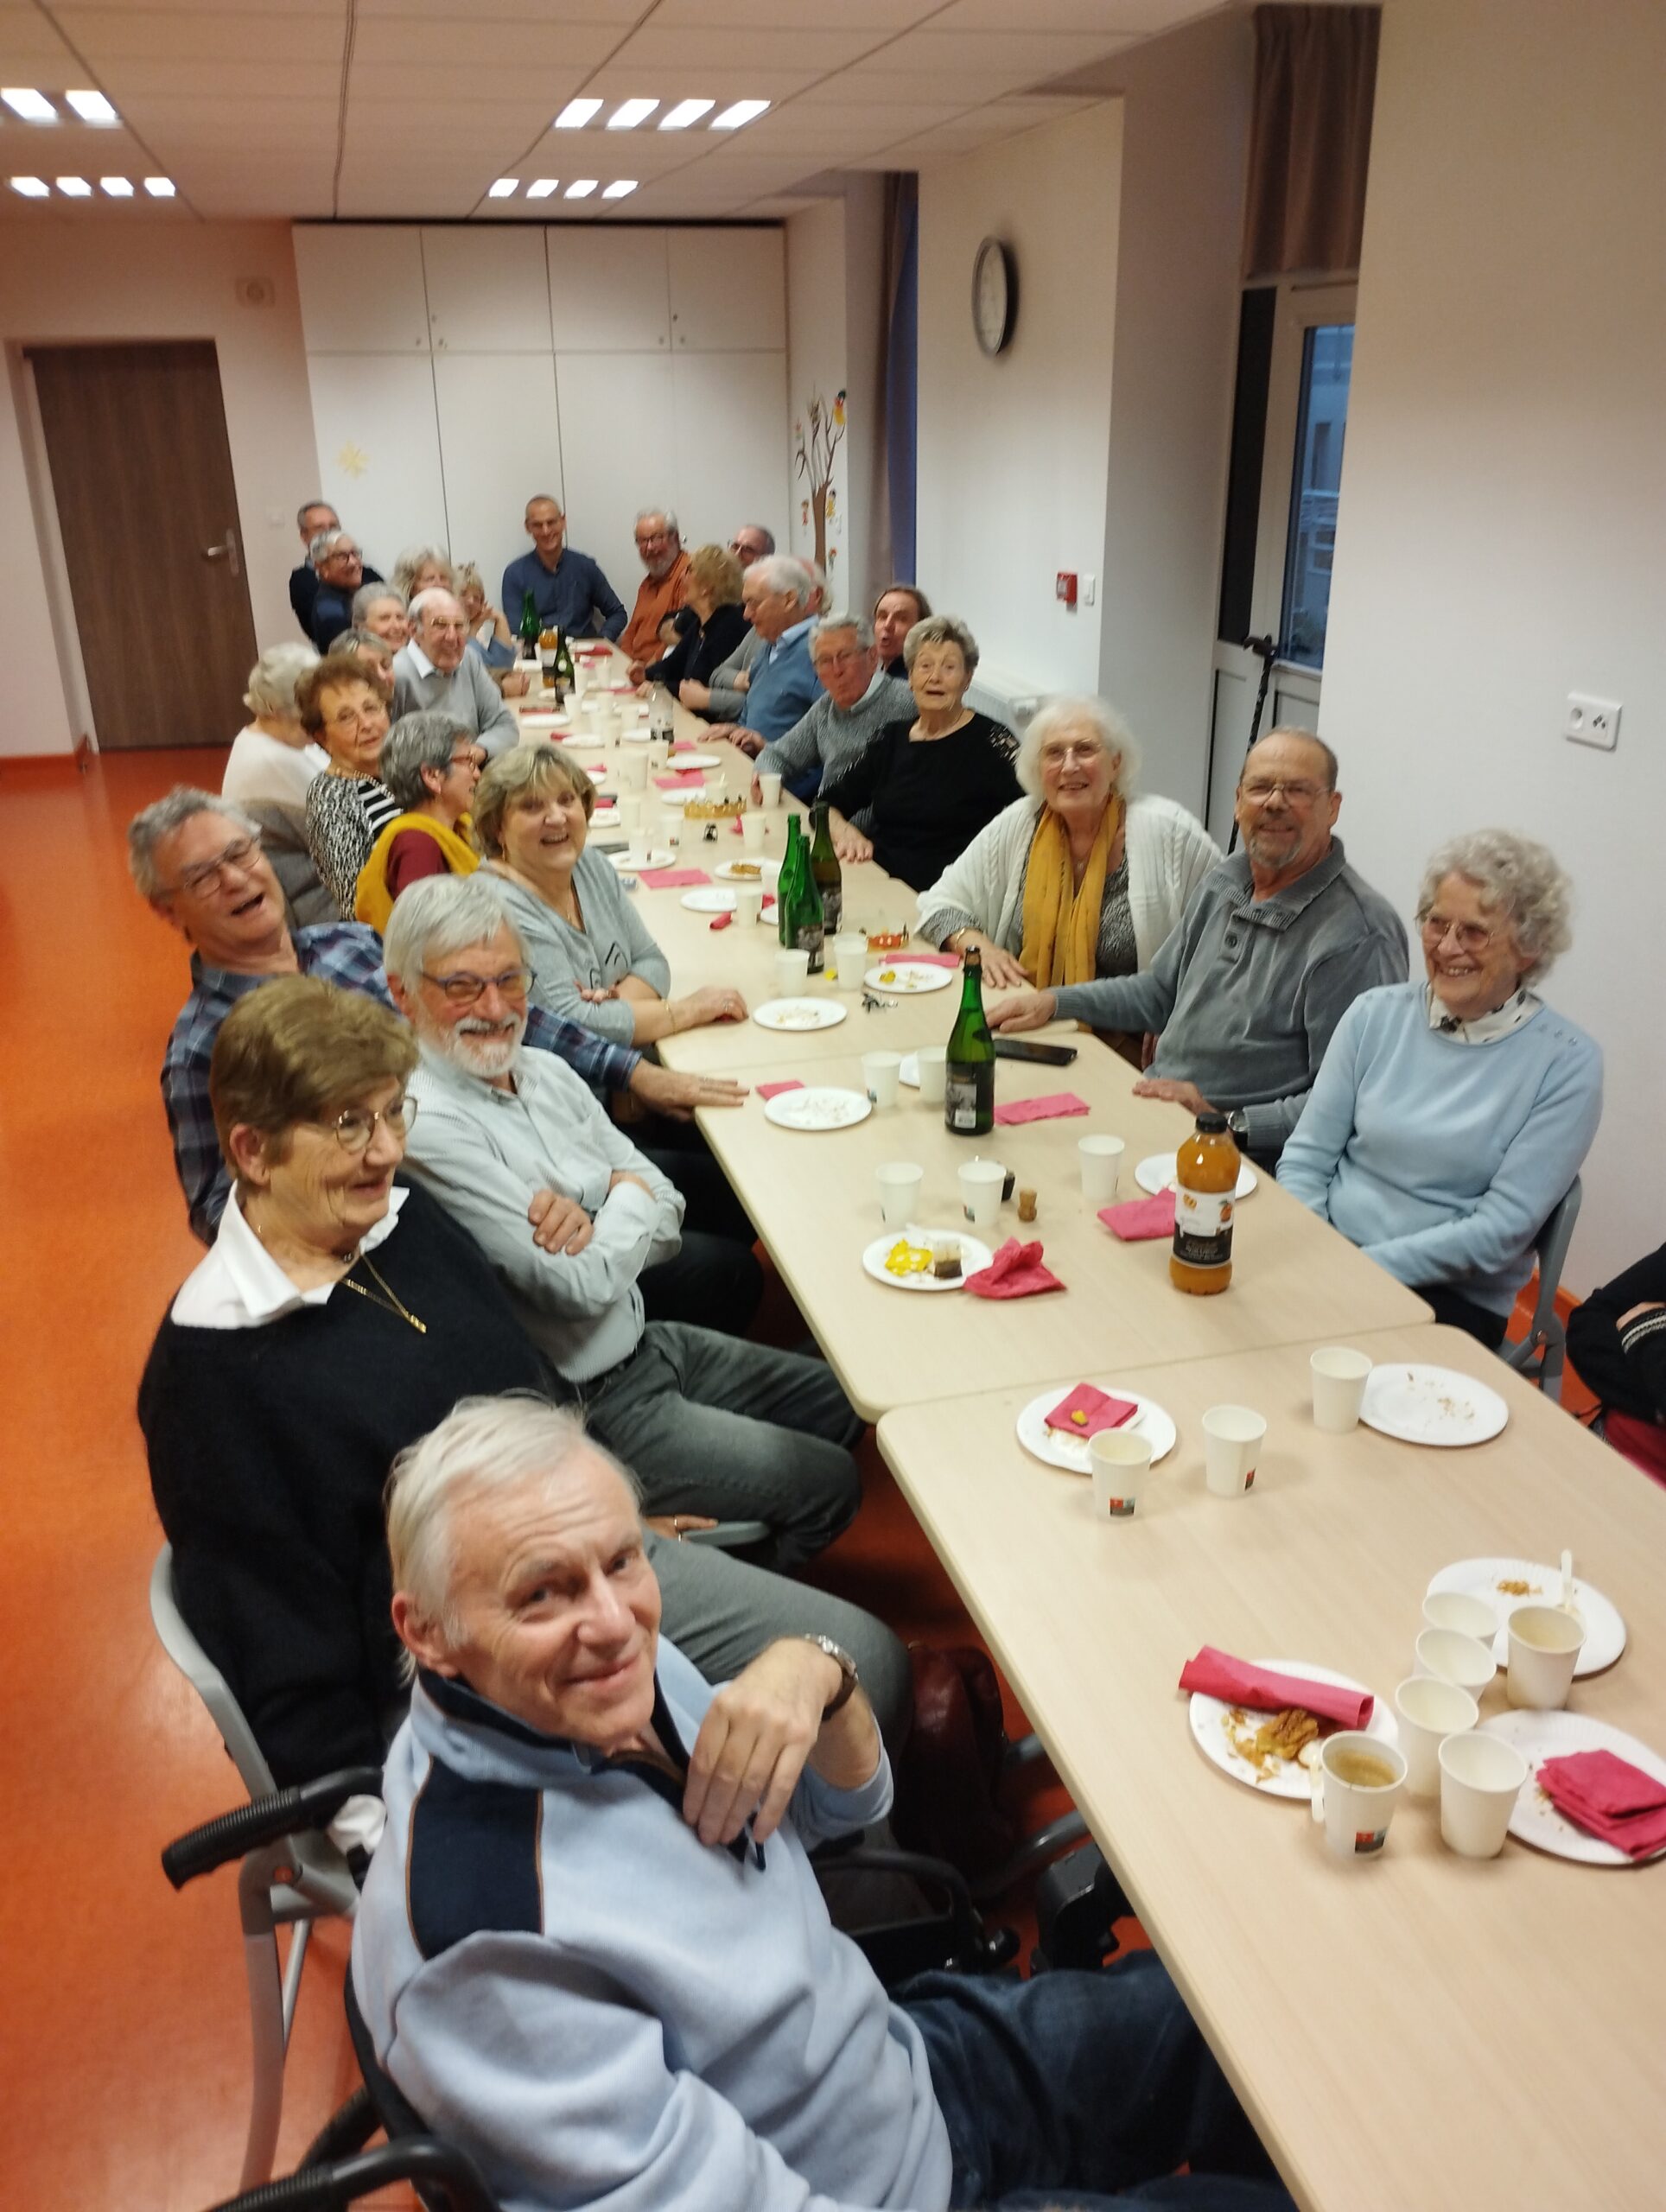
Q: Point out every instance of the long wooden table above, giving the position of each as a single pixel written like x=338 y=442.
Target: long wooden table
x=1417 y=2030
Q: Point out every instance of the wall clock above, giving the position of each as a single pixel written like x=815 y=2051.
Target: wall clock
x=994 y=297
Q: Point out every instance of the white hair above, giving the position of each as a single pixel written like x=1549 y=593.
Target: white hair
x=825 y=625
x=319 y=548
x=657 y=514
x=482 y=1444
x=367 y=594
x=781 y=572
x=431 y=597
x=1077 y=711
x=274 y=676
x=1516 y=878
x=416 y=557
x=162 y=817
x=941 y=630
x=437 y=915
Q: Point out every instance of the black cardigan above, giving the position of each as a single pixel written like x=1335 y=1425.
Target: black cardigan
x=269 y=1448
x=1628 y=1372
x=701 y=651
x=928 y=800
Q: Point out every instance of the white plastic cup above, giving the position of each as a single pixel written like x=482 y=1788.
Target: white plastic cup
x=791 y=972
x=1428 y=1710
x=749 y=904
x=1481 y=1778
x=630 y=809
x=660 y=752
x=1340 y=1376
x=633 y=771
x=1119 y=1464
x=850 y=958
x=1457 y=1609
x=1102 y=1164
x=1454 y=1658
x=931 y=1060
x=1356 y=1815
x=1545 y=1644
x=751 y=832
x=881 y=1072
x=981 y=1182
x=771 y=788
x=1233 y=1437
x=898 y=1182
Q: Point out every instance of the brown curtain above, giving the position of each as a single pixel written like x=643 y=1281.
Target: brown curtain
x=1310 y=139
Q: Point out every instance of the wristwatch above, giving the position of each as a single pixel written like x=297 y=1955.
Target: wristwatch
x=1238 y=1121
x=846 y=1666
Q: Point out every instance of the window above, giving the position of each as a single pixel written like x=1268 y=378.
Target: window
x=1326 y=366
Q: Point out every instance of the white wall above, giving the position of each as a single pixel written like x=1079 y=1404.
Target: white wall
x=1502 y=532
x=816 y=362
x=1013 y=452
x=61 y=282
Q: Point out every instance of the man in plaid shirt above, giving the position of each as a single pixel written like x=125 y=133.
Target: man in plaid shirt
x=197 y=859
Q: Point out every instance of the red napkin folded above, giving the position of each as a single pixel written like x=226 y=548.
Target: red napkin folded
x=719 y=921
x=769 y=1090
x=1086 y=1411
x=1053 y=1108
x=673 y=879
x=1608 y=1797
x=683 y=779
x=1235 y=1681
x=1141 y=1217
x=769 y=900
x=934 y=960
x=1016 y=1272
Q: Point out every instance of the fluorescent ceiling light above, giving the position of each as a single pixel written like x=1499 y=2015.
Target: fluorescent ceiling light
x=160 y=188
x=541 y=187
x=581 y=189
x=118 y=186
x=576 y=114
x=685 y=112
x=742 y=111
x=33 y=106
x=504 y=188
x=620 y=186
x=92 y=107
x=629 y=113
x=31 y=187
x=74 y=187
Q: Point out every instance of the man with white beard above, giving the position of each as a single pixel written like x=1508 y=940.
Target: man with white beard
x=570 y=1213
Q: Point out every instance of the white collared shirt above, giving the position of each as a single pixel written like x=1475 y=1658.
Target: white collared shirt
x=240 y=1286
x=1486 y=1028
x=419 y=660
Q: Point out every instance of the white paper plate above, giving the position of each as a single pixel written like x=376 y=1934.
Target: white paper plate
x=1070 y=1452
x=1156 y=1173
x=709 y=899
x=1541 y=1736
x=1605 y=1631
x=1286 y=1778
x=656 y=856
x=725 y=872
x=679 y=799
x=906 y=976
x=974 y=1256
x=1431 y=1405
x=695 y=759
x=798 y=1014
x=817 y=1107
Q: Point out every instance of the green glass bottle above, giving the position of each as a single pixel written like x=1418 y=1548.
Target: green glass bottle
x=530 y=628
x=564 y=676
x=825 y=868
x=797 y=902
x=969 y=1066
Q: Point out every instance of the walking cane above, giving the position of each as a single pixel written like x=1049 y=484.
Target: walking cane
x=1266 y=649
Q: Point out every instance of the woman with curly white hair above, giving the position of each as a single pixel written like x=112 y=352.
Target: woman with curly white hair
x=1079 y=879
x=1449 y=1116
x=272 y=758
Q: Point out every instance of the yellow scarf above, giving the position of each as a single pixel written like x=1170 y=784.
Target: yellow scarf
x=372 y=902
x=1061 y=923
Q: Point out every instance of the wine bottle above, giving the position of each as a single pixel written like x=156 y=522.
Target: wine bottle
x=564 y=676
x=530 y=626
x=969 y=1063
x=825 y=868
x=799 y=903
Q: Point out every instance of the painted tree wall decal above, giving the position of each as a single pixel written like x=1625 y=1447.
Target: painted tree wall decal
x=815 y=459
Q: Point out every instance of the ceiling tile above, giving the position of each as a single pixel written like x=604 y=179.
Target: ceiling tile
x=105 y=35
x=1110 y=19
x=396 y=84
x=510 y=15
x=462 y=39
x=814 y=52
x=166 y=124
x=720 y=80
x=30 y=47
x=845 y=128
x=248 y=82
x=877 y=15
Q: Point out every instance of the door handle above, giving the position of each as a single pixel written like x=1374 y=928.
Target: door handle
x=225 y=551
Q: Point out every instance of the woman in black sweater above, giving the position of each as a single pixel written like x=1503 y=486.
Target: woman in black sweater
x=1617 y=1339
x=707 y=641
x=933 y=784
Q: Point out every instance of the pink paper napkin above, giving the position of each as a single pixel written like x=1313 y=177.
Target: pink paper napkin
x=596 y=768
x=685 y=780
x=1235 y=1681
x=769 y=900
x=1086 y=1411
x=1055 y=1107
x=1141 y=1217
x=673 y=879
x=719 y=921
x=770 y=1089
x=935 y=960
x=1608 y=1797
x=1016 y=1272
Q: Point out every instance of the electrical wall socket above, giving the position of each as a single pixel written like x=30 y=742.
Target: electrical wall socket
x=1592 y=721
x=1089 y=590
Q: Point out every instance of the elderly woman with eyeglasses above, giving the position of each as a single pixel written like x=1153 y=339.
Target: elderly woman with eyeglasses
x=1449 y=1116
x=1079 y=879
x=431 y=765
x=348 y=805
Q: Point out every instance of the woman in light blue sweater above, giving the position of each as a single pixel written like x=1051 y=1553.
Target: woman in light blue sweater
x=1449 y=1116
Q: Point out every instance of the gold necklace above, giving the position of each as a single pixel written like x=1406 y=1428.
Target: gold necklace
x=390 y=1300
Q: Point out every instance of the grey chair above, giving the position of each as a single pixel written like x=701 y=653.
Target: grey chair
x=283 y=841
x=1541 y=1354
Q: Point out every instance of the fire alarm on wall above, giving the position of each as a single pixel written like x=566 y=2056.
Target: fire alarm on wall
x=1065 y=586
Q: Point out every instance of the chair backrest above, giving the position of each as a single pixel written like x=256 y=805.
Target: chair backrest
x=400 y=2119
x=283 y=840
x=1553 y=1239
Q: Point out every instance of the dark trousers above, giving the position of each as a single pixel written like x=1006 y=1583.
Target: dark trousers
x=1477 y=1321
x=715 y=1282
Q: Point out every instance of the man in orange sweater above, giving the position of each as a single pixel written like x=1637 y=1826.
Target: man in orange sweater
x=662 y=590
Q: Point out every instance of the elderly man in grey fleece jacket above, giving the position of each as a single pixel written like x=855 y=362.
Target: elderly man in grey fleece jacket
x=858 y=699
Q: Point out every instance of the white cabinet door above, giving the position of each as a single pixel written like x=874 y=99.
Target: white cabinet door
x=499 y=443
x=731 y=444
x=618 y=450
x=378 y=442
x=607 y=290
x=361 y=288
x=729 y=289
x=488 y=289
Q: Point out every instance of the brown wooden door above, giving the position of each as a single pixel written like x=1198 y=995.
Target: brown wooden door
x=142 y=472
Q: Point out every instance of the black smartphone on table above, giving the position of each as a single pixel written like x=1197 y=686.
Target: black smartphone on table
x=1021 y=1048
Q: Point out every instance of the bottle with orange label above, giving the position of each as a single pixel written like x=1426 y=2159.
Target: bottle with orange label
x=1205 y=1178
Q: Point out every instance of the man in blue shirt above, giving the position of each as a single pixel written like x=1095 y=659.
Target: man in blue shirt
x=567 y=588
x=779 y=599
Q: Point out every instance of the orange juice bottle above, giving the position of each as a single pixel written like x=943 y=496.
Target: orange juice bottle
x=1206 y=1178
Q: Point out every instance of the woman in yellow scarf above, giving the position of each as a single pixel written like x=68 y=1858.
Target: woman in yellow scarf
x=431 y=764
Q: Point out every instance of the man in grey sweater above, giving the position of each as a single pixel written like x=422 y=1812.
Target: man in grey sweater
x=1274 y=947
x=858 y=699
x=437 y=670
